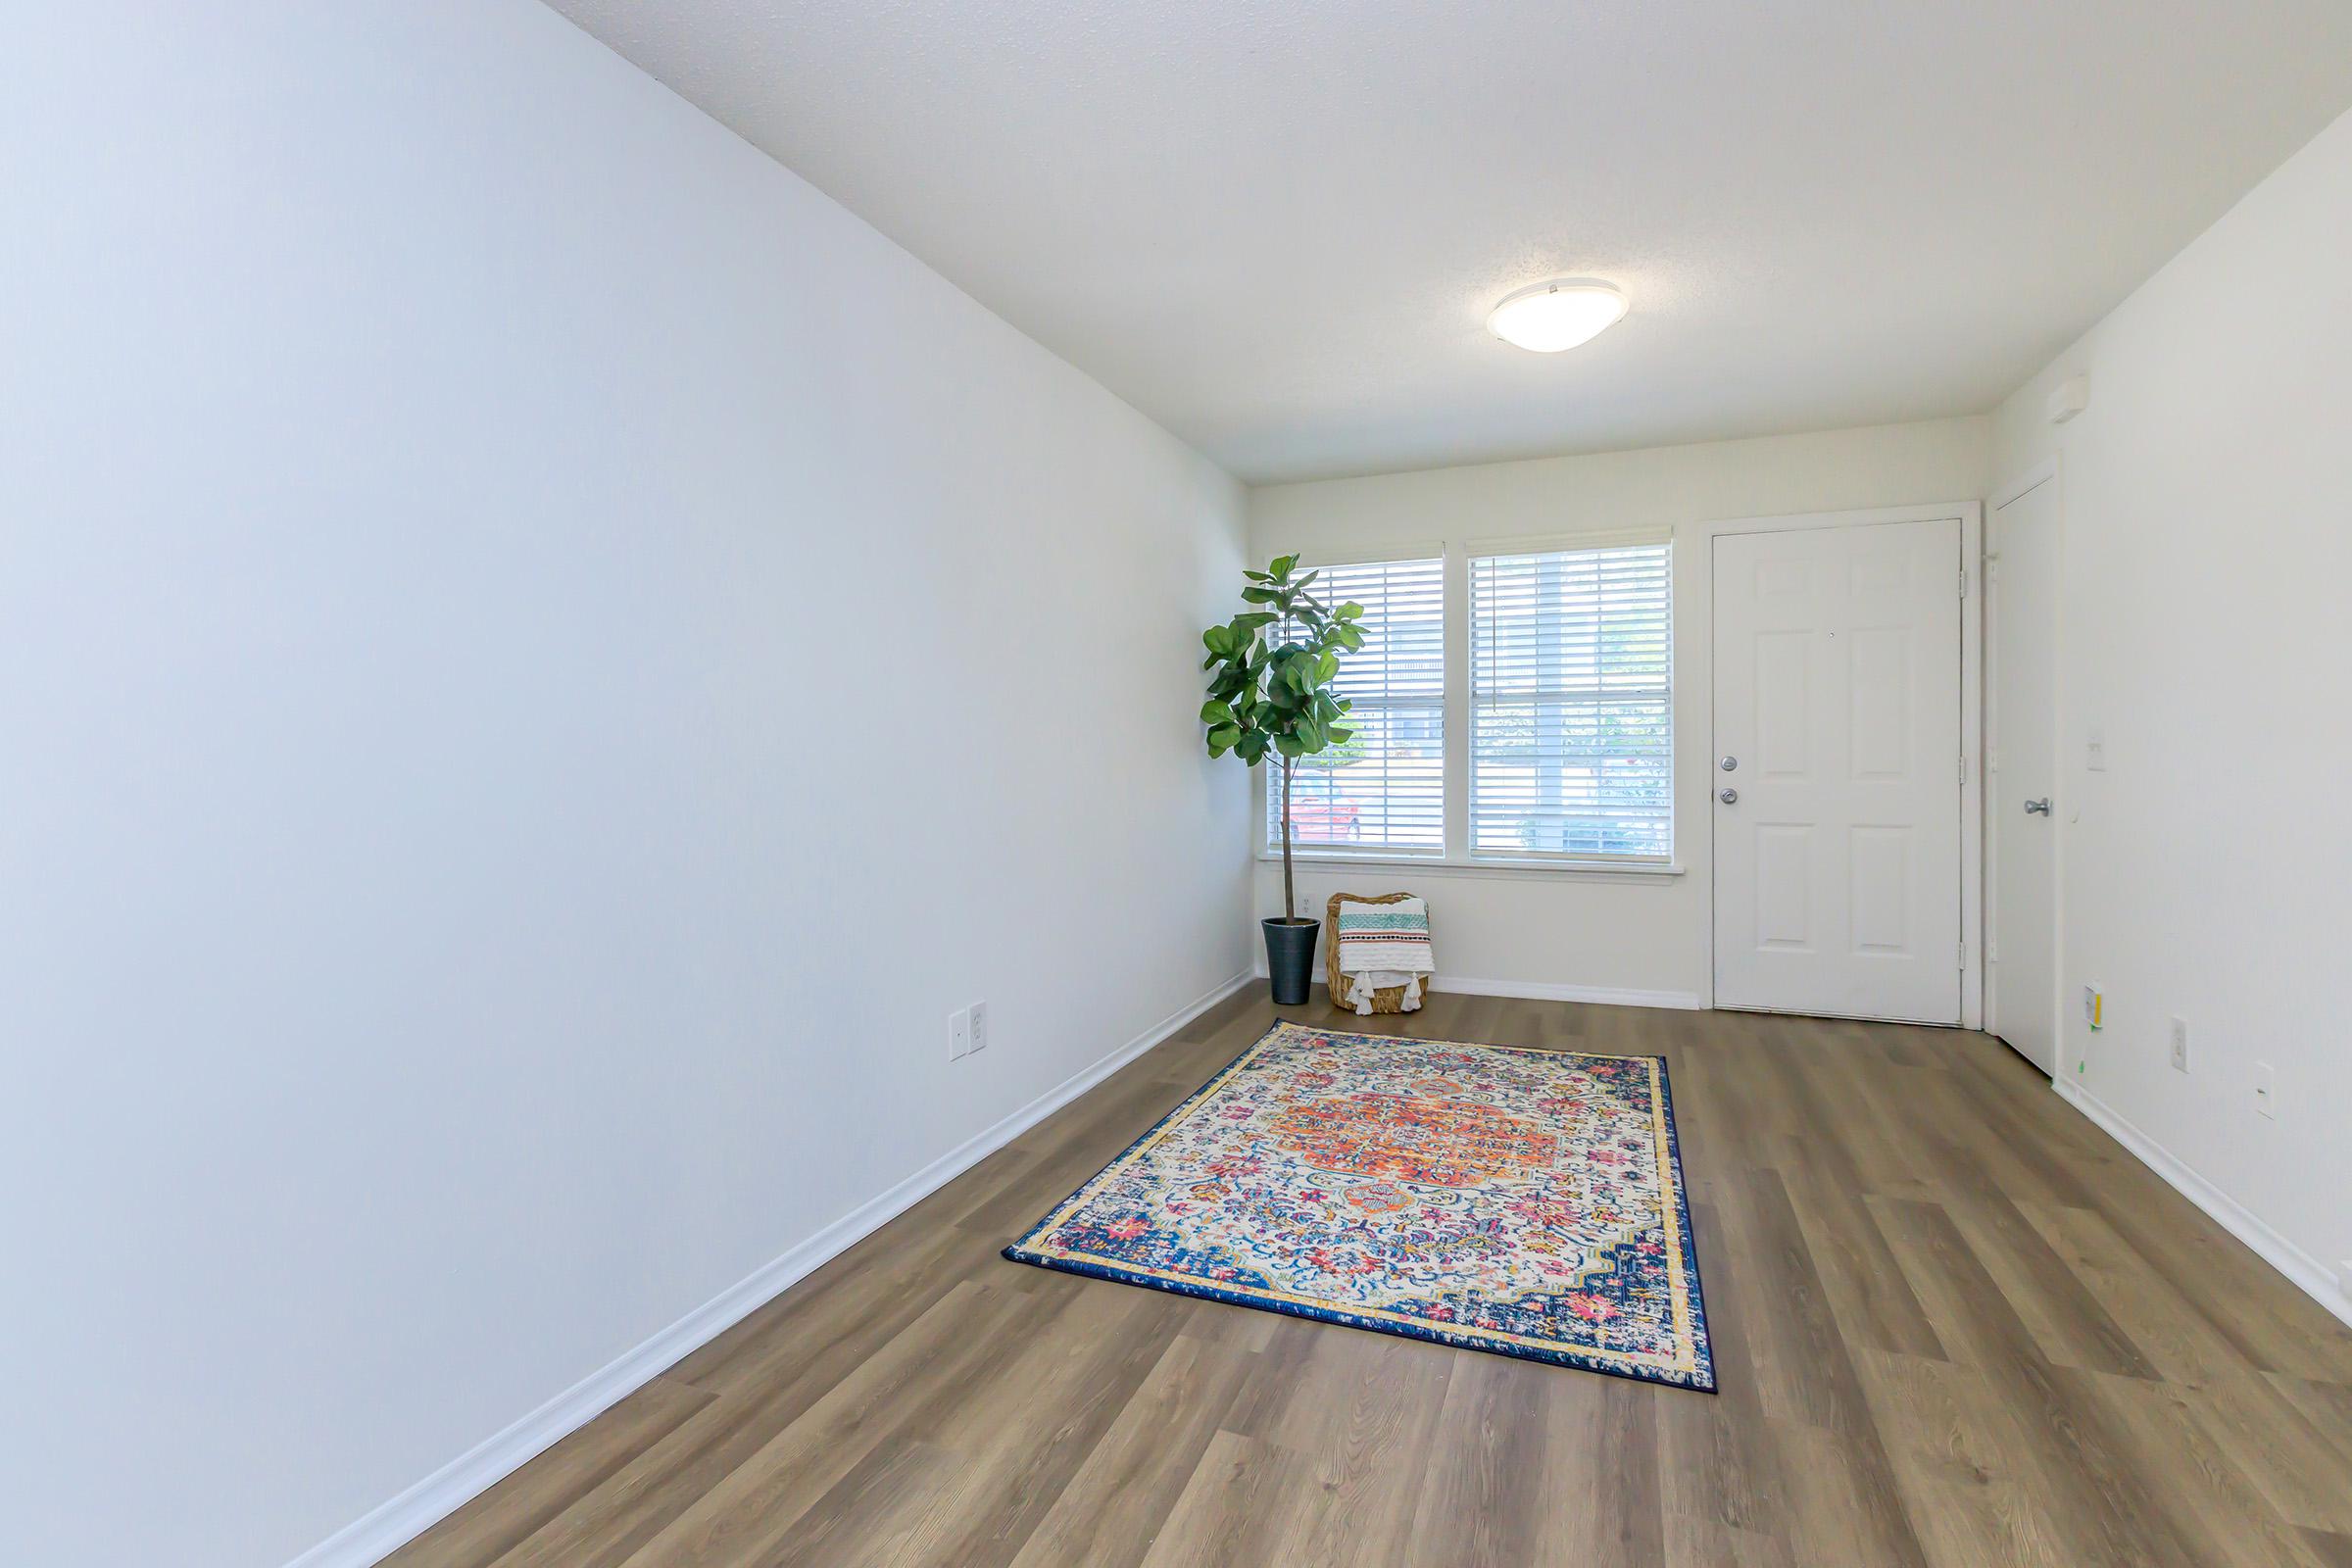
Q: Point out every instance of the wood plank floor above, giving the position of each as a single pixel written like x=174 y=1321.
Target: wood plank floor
x=1953 y=1323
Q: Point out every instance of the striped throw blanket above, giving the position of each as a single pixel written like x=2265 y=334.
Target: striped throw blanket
x=1383 y=944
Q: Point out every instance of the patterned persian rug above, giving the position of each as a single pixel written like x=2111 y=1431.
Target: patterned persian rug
x=1528 y=1202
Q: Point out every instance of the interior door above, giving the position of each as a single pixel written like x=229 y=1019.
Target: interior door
x=1838 y=784
x=2021 y=771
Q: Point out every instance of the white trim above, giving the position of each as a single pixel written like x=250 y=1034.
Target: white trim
x=392 y=1525
x=1545 y=544
x=1455 y=636
x=1545 y=990
x=1373 y=555
x=2305 y=1273
x=1971 y=778
x=1994 y=825
x=2032 y=479
x=1440 y=865
x=1695 y=644
x=1538 y=990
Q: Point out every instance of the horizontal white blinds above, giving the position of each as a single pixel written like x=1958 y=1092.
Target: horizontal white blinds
x=1571 y=699
x=1385 y=787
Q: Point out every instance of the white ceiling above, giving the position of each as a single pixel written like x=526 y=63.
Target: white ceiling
x=1276 y=227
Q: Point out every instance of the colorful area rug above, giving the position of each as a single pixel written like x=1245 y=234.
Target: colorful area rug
x=1528 y=1202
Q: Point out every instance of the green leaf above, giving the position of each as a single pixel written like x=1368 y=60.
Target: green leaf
x=1213 y=712
x=1259 y=596
x=1223 y=739
x=1327 y=666
x=1289 y=746
x=1252 y=746
x=1351 y=638
x=1350 y=610
x=1254 y=620
x=1339 y=736
x=1282 y=564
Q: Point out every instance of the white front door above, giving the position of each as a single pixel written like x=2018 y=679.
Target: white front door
x=1838 y=790
x=2021 y=773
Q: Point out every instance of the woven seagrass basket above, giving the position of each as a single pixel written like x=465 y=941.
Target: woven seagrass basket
x=1387 y=999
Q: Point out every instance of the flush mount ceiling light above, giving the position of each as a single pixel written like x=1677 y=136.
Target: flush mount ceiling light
x=1560 y=315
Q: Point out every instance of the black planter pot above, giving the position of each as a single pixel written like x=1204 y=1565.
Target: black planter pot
x=1290 y=959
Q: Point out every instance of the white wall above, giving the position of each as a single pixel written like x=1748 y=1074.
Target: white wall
x=539 y=658
x=1647 y=937
x=2207 y=499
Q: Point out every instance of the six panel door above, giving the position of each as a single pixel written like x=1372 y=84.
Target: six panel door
x=1838 y=822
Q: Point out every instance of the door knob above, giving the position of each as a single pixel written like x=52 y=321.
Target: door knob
x=2040 y=808
x=1728 y=764
x=1728 y=796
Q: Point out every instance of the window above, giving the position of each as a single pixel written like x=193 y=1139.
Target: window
x=1383 y=788
x=1571 y=702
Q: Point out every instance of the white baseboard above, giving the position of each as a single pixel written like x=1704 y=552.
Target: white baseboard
x=2306 y=1272
x=394 y=1524
x=1540 y=991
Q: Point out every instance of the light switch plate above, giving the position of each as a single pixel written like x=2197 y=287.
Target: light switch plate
x=2094 y=752
x=959 y=1033
x=2266 y=1090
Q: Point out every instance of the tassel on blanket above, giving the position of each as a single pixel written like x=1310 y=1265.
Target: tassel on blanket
x=1360 y=989
x=1378 y=946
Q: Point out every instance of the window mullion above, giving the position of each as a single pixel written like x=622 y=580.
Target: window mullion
x=1455 y=598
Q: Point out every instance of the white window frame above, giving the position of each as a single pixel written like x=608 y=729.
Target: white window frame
x=1455 y=860
x=1270 y=849
x=1568 y=544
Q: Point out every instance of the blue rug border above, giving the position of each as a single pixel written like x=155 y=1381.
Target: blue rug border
x=1578 y=1360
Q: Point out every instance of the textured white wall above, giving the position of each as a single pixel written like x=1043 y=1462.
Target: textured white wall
x=1649 y=935
x=2207 y=497
x=540 y=658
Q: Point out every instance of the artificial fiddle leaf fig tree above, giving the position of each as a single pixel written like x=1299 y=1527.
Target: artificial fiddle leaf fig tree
x=1271 y=670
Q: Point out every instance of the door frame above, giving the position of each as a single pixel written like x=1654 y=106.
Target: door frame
x=1695 y=564
x=2025 y=484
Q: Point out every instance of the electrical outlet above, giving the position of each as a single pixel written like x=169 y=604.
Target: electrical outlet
x=2266 y=1090
x=959 y=1033
x=2094 y=1006
x=2179 y=1045
x=979 y=1012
